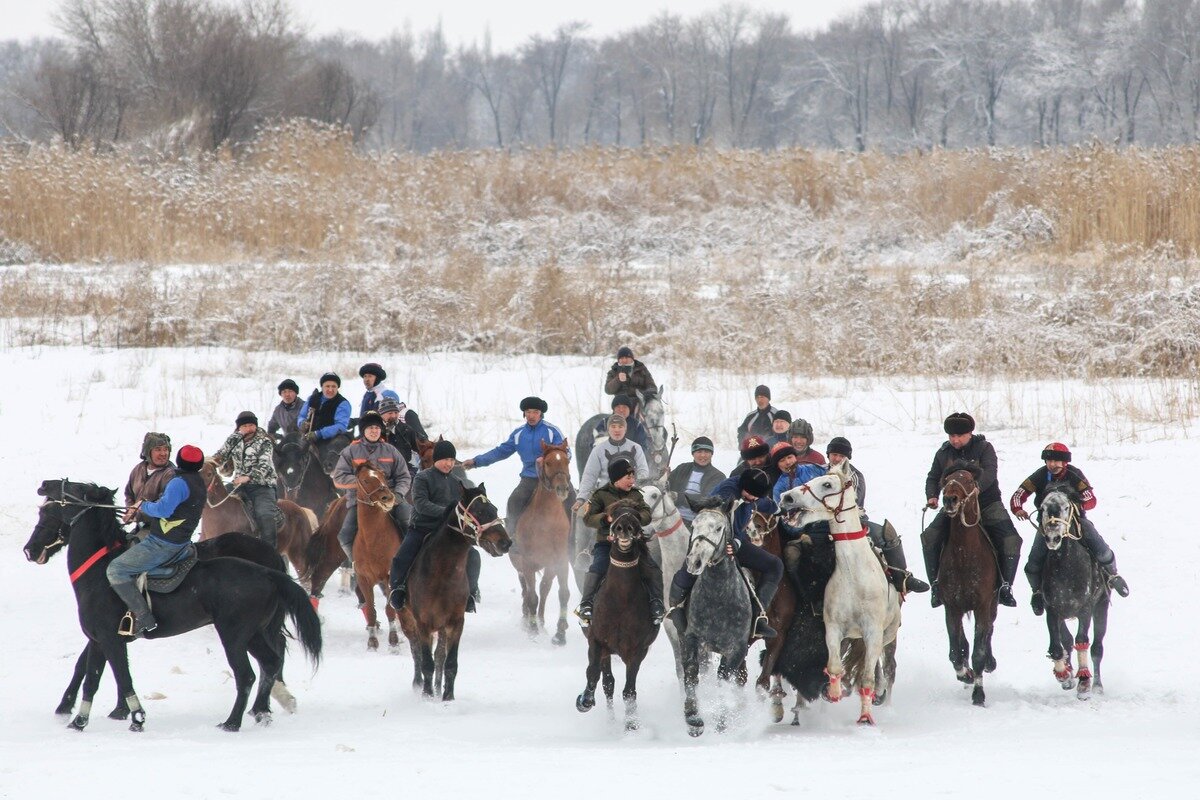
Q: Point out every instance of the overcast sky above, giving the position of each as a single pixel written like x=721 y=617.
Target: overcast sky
x=465 y=20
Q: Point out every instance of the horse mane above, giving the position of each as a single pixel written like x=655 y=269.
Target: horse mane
x=108 y=528
x=962 y=465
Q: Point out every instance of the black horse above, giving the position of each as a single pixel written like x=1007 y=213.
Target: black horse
x=228 y=545
x=1073 y=586
x=247 y=603
x=301 y=478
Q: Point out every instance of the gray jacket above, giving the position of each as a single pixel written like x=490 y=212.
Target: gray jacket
x=384 y=456
x=283 y=418
x=595 y=472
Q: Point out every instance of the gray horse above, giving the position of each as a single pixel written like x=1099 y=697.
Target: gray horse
x=719 y=612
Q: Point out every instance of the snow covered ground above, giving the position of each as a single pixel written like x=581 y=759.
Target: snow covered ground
x=514 y=731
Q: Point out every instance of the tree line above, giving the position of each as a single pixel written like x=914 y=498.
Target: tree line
x=896 y=75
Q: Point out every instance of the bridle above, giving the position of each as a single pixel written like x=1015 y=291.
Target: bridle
x=469 y=524
x=626 y=520
x=292 y=491
x=546 y=480
x=840 y=508
x=761 y=521
x=718 y=546
x=65 y=523
x=968 y=497
x=369 y=498
x=1070 y=523
x=662 y=502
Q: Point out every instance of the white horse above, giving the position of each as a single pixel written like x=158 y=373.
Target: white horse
x=668 y=543
x=860 y=602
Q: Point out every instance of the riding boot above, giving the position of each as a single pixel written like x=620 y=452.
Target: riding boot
x=654 y=595
x=1008 y=570
x=931 y=548
x=678 y=600
x=765 y=594
x=1115 y=581
x=901 y=578
x=1037 y=603
x=143 y=619
x=473 y=565
x=591 y=583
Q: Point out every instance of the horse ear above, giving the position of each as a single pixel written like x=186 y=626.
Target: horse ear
x=441 y=438
x=482 y=491
x=545 y=446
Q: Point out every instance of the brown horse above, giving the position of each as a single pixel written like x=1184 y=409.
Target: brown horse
x=324 y=555
x=224 y=512
x=374 y=547
x=438 y=590
x=967 y=577
x=763 y=530
x=541 y=538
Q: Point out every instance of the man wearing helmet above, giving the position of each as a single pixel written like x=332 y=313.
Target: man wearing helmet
x=150 y=476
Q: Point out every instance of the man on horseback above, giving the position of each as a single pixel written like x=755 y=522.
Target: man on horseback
x=624 y=406
x=629 y=376
x=620 y=489
x=371 y=447
x=756 y=454
x=752 y=491
x=150 y=477
x=250 y=451
x=801 y=437
x=759 y=421
x=325 y=420
x=617 y=445
x=283 y=418
x=526 y=442
x=780 y=427
x=1057 y=457
x=174 y=518
x=373 y=377
x=398 y=433
x=964 y=445
x=699 y=477
x=435 y=491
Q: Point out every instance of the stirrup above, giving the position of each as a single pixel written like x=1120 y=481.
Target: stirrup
x=585 y=615
x=127 y=625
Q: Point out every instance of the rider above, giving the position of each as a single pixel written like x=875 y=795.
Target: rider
x=791 y=472
x=283 y=418
x=883 y=537
x=373 y=377
x=629 y=376
x=614 y=447
x=760 y=420
x=526 y=442
x=174 y=518
x=435 y=490
x=620 y=487
x=755 y=452
x=398 y=433
x=325 y=420
x=780 y=427
x=753 y=489
x=371 y=447
x=801 y=436
x=623 y=406
x=150 y=476
x=250 y=450
x=964 y=445
x=1057 y=457
x=698 y=477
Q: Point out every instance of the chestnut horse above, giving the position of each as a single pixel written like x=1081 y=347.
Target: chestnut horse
x=763 y=530
x=541 y=538
x=967 y=576
x=324 y=555
x=224 y=512
x=438 y=590
x=375 y=546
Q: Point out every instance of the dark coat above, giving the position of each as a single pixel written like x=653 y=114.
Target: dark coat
x=639 y=379
x=433 y=493
x=978 y=451
x=596 y=511
x=758 y=422
x=1037 y=483
x=677 y=481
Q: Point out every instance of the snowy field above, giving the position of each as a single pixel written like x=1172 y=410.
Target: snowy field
x=514 y=731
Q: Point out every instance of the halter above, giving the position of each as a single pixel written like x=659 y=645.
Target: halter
x=467 y=520
x=543 y=477
x=718 y=546
x=766 y=520
x=969 y=496
x=661 y=501
x=67 y=523
x=840 y=495
x=635 y=526
x=1071 y=523
x=369 y=497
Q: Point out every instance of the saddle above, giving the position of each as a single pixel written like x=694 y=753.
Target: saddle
x=166 y=578
x=280 y=519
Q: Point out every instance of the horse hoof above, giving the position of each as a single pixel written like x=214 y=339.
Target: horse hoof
x=695 y=727
x=830 y=698
x=879 y=698
x=230 y=727
x=777 y=712
x=583 y=704
x=119 y=713
x=1068 y=684
x=559 y=639
x=262 y=718
x=631 y=725
x=372 y=644
x=78 y=724
x=967 y=677
x=64 y=710
x=866 y=719
x=991 y=664
x=977 y=697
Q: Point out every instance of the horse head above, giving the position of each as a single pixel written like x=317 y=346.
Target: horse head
x=425 y=451
x=555 y=470
x=53 y=528
x=1059 y=515
x=480 y=520
x=625 y=528
x=664 y=516
x=292 y=456
x=959 y=485
x=710 y=533
x=372 y=487
x=760 y=526
x=825 y=497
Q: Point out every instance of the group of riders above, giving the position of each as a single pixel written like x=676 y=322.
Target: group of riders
x=166 y=500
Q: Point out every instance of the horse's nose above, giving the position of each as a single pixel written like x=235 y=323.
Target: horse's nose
x=506 y=545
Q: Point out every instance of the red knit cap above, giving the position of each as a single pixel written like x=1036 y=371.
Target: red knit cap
x=780 y=451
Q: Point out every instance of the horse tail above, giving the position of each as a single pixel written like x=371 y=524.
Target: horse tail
x=295 y=603
x=312 y=520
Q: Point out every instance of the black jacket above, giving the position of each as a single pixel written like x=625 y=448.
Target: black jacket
x=978 y=451
x=433 y=493
x=678 y=479
x=758 y=422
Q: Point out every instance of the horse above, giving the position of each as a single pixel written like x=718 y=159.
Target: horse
x=438 y=590
x=299 y=481
x=652 y=413
x=967 y=577
x=425 y=456
x=620 y=623
x=229 y=545
x=541 y=536
x=763 y=531
x=224 y=512
x=1073 y=586
x=324 y=554
x=375 y=546
x=719 y=612
x=247 y=603
x=860 y=601
x=667 y=541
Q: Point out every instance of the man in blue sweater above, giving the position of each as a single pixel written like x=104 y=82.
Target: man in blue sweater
x=325 y=420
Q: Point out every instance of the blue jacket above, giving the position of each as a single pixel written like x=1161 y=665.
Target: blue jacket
x=341 y=419
x=525 y=441
x=729 y=489
x=804 y=474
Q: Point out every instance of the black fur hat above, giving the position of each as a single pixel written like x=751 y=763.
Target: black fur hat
x=368 y=419
x=840 y=444
x=534 y=402
x=755 y=482
x=288 y=383
x=330 y=376
x=959 y=422
x=371 y=368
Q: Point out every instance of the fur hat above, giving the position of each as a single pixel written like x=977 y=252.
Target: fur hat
x=617 y=419
x=330 y=376
x=189 y=458
x=624 y=352
x=755 y=482
x=368 y=419
x=840 y=444
x=388 y=404
x=623 y=400
x=245 y=418
x=702 y=443
x=780 y=451
x=786 y=416
x=762 y=390
x=959 y=422
x=152 y=440
x=618 y=468
x=800 y=427
x=288 y=383
x=371 y=368
x=534 y=403
x=754 y=447
x=444 y=449
x=1056 y=451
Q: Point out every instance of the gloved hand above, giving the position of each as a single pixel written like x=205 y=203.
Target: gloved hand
x=932 y=502
x=310 y=437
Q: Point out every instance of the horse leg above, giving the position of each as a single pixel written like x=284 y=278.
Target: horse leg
x=366 y=603
x=269 y=664
x=564 y=602
x=67 y=704
x=243 y=676
x=607 y=680
x=453 y=636
x=393 y=629
x=959 y=649
x=427 y=663
x=629 y=693
x=979 y=658
x=1058 y=652
x=409 y=626
x=116 y=654
x=691 y=676
x=776 y=692
x=1083 y=670
x=439 y=662
x=528 y=601
x=544 y=587
x=1099 y=628
x=873 y=647
x=834 y=666
x=90 y=679
x=586 y=700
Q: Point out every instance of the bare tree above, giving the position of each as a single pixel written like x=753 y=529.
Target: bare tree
x=548 y=60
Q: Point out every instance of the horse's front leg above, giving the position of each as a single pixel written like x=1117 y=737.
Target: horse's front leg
x=528 y=581
x=1083 y=668
x=67 y=704
x=564 y=602
x=691 y=677
x=393 y=626
x=834 y=668
x=366 y=593
x=982 y=654
x=873 y=648
x=1099 y=628
x=959 y=649
x=629 y=693
x=93 y=668
x=451 y=635
x=116 y=654
x=586 y=700
x=1063 y=673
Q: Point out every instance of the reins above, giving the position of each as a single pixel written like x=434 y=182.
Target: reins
x=1071 y=523
x=841 y=496
x=468 y=520
x=216 y=478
